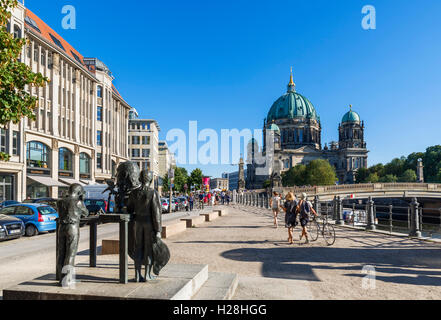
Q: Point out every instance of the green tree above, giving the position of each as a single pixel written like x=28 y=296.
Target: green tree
x=316 y=173
x=373 y=178
x=181 y=178
x=295 y=176
x=267 y=184
x=320 y=173
x=408 y=176
x=389 y=178
x=362 y=175
x=15 y=102
x=432 y=163
x=195 y=178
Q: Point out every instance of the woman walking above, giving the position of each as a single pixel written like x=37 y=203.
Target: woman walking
x=290 y=209
x=275 y=205
x=305 y=208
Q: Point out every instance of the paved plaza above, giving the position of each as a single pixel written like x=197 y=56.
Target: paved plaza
x=246 y=243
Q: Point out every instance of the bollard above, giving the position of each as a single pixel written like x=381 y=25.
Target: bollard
x=339 y=203
x=353 y=214
x=414 y=219
x=370 y=218
x=316 y=204
x=334 y=208
x=391 y=226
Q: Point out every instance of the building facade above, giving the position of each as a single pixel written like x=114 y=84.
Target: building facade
x=144 y=144
x=166 y=159
x=81 y=130
x=292 y=136
x=220 y=183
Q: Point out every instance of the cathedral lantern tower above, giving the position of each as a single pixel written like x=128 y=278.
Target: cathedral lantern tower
x=351 y=147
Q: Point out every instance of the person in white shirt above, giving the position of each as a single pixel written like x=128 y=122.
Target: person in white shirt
x=305 y=209
x=275 y=206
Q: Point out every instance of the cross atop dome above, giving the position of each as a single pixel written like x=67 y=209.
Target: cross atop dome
x=291 y=85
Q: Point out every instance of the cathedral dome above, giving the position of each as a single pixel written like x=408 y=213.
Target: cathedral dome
x=292 y=105
x=351 y=116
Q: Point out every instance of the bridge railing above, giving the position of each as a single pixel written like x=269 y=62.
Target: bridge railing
x=410 y=218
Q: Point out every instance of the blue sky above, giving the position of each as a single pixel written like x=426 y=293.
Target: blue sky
x=223 y=63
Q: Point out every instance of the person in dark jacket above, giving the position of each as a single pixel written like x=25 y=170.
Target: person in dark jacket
x=290 y=208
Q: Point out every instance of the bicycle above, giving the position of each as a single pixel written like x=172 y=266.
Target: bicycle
x=327 y=230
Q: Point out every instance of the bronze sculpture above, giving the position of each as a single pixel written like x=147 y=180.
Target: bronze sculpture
x=145 y=244
x=127 y=180
x=71 y=209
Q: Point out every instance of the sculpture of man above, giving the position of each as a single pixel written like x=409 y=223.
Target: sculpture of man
x=71 y=209
x=146 y=226
x=127 y=180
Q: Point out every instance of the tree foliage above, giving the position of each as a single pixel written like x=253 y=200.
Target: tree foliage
x=15 y=102
x=404 y=169
x=182 y=178
x=195 y=179
x=316 y=173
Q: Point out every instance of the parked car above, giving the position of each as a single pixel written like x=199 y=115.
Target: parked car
x=94 y=205
x=36 y=217
x=183 y=204
x=48 y=201
x=11 y=228
x=8 y=203
x=165 y=205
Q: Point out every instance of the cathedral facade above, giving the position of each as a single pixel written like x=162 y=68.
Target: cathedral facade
x=292 y=135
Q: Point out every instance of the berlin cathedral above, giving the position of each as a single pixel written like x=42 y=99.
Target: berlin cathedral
x=294 y=127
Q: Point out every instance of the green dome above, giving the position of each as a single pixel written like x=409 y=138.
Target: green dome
x=274 y=127
x=292 y=105
x=351 y=116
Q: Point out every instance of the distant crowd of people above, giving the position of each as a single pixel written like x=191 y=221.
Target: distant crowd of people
x=213 y=198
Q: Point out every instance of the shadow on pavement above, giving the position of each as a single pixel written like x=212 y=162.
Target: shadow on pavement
x=298 y=263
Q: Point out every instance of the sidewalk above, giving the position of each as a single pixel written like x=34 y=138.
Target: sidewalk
x=246 y=243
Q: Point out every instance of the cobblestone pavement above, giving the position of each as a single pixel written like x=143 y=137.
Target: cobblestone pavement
x=247 y=243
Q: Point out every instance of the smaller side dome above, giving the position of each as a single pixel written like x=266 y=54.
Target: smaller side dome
x=351 y=116
x=274 y=127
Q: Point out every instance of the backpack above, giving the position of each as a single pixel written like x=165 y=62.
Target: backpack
x=305 y=209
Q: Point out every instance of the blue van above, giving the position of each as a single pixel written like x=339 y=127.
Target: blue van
x=36 y=217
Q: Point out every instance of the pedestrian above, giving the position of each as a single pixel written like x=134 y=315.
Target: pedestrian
x=305 y=208
x=223 y=197
x=290 y=208
x=275 y=205
x=228 y=199
x=191 y=201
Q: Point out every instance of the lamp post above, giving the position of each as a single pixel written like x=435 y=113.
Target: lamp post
x=171 y=176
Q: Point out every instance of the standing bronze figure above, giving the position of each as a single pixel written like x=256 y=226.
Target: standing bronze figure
x=71 y=209
x=145 y=246
x=127 y=180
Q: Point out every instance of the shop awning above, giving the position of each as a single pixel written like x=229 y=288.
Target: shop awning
x=47 y=181
x=72 y=181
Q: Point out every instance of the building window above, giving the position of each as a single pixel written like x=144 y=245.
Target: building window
x=16 y=143
x=146 y=140
x=145 y=153
x=65 y=160
x=100 y=113
x=135 y=140
x=135 y=153
x=38 y=155
x=17 y=32
x=99 y=92
x=35 y=53
x=99 y=161
x=43 y=57
x=3 y=140
x=49 y=60
x=99 y=138
x=56 y=41
x=84 y=165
